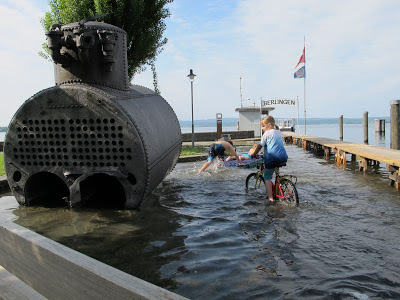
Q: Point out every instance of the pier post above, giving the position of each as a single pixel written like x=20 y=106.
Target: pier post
x=219 y=125
x=394 y=178
x=327 y=152
x=380 y=125
x=394 y=124
x=363 y=163
x=365 y=123
x=341 y=127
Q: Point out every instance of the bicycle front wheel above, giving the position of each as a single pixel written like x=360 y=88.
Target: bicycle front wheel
x=254 y=182
x=289 y=191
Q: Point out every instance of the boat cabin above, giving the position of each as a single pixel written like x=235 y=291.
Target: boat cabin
x=249 y=118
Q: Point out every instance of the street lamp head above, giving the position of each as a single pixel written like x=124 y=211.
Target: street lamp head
x=191 y=75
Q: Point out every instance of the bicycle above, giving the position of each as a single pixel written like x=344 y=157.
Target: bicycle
x=283 y=189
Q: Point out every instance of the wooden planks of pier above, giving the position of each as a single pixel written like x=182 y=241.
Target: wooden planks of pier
x=367 y=156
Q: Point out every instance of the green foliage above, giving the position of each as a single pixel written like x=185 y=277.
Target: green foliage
x=2 y=170
x=143 y=21
x=155 y=77
x=188 y=150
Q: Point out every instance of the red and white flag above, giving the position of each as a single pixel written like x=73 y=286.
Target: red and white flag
x=302 y=57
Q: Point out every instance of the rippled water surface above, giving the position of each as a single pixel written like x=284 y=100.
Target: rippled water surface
x=203 y=237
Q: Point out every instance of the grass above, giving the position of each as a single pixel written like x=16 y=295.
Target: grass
x=2 y=171
x=188 y=150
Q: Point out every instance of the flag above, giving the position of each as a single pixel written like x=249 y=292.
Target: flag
x=300 y=73
x=302 y=57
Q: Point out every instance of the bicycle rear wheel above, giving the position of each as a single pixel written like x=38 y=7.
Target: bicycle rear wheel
x=289 y=191
x=254 y=182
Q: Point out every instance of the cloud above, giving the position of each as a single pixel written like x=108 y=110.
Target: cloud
x=351 y=51
x=23 y=73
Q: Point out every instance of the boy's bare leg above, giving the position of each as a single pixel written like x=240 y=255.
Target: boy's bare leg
x=205 y=166
x=268 y=186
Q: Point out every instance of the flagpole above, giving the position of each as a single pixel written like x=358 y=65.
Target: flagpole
x=305 y=111
x=260 y=115
x=298 y=114
x=305 y=116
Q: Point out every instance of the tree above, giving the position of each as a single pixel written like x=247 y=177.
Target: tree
x=143 y=21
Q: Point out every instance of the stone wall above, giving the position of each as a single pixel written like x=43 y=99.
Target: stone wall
x=212 y=136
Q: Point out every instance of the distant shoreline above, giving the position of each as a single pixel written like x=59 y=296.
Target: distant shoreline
x=310 y=121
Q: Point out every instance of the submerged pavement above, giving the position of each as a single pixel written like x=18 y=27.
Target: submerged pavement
x=4 y=187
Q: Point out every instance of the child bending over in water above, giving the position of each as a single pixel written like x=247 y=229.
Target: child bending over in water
x=218 y=149
x=245 y=156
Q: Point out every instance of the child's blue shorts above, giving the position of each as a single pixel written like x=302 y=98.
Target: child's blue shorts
x=216 y=150
x=268 y=174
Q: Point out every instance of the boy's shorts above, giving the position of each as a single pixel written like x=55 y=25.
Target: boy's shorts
x=216 y=150
x=268 y=174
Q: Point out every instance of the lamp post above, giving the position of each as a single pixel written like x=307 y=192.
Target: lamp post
x=191 y=78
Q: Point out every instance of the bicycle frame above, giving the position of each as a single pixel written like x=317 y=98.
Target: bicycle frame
x=276 y=186
x=283 y=187
x=260 y=173
x=258 y=179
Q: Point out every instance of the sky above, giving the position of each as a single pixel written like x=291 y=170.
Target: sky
x=352 y=56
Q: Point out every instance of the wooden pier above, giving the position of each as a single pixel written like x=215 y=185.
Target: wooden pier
x=366 y=156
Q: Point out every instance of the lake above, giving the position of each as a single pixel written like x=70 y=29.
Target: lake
x=203 y=237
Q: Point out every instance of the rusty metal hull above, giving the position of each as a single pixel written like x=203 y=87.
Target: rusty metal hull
x=81 y=142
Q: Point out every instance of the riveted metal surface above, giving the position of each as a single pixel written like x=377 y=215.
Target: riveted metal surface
x=79 y=130
x=94 y=69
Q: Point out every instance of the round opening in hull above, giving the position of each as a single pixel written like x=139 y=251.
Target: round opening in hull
x=46 y=189
x=102 y=191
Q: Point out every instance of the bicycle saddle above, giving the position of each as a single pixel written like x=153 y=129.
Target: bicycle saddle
x=280 y=165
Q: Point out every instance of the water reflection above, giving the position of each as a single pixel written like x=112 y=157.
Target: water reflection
x=203 y=237
x=380 y=139
x=236 y=244
x=133 y=241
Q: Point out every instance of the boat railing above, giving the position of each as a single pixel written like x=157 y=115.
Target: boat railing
x=285 y=123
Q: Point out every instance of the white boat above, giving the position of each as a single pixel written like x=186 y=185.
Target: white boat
x=286 y=124
x=250 y=116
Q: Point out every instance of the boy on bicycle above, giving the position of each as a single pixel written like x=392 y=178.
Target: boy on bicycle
x=274 y=151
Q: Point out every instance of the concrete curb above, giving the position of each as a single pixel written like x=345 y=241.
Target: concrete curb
x=192 y=158
x=13 y=288
x=58 y=272
x=4 y=187
x=236 y=142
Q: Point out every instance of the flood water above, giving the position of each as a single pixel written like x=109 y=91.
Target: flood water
x=203 y=237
